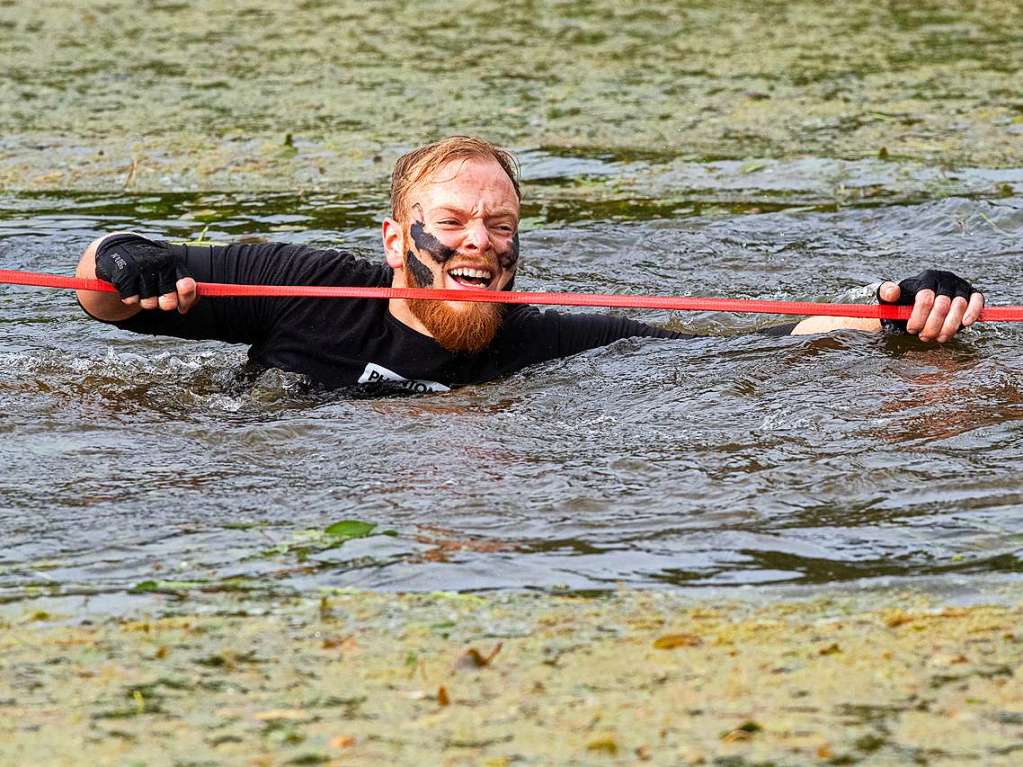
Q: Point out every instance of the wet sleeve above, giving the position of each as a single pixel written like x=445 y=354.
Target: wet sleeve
x=241 y=319
x=547 y=335
x=562 y=335
x=570 y=333
x=779 y=330
x=574 y=333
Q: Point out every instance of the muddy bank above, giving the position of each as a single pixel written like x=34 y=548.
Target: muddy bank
x=316 y=95
x=633 y=678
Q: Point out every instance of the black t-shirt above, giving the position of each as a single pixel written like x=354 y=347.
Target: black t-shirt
x=345 y=342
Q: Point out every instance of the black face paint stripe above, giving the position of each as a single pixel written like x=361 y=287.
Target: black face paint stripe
x=509 y=259
x=429 y=244
x=421 y=275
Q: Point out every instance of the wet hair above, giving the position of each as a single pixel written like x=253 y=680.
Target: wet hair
x=420 y=163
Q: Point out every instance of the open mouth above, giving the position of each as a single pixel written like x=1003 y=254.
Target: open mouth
x=472 y=278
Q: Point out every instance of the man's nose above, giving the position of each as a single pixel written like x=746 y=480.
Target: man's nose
x=477 y=237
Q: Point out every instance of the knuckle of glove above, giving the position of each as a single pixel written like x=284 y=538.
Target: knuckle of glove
x=137 y=266
x=947 y=283
x=910 y=286
x=149 y=285
x=182 y=272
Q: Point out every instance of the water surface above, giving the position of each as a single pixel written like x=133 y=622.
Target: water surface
x=729 y=148
x=731 y=459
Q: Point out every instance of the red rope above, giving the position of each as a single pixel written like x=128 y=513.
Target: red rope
x=673 y=303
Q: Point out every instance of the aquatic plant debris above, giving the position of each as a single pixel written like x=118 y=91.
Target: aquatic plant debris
x=671 y=641
x=932 y=82
x=914 y=681
x=474 y=659
x=350 y=528
x=305 y=543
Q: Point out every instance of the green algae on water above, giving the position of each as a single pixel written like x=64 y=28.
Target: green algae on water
x=325 y=95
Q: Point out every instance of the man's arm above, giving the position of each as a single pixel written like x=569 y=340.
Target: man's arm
x=942 y=305
x=942 y=302
x=156 y=282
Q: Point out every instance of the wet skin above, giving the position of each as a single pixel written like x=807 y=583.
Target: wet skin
x=427 y=243
x=464 y=217
x=423 y=277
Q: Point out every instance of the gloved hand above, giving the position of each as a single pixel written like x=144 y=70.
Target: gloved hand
x=140 y=268
x=942 y=302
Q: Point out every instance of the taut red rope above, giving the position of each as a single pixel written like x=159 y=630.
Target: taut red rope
x=673 y=303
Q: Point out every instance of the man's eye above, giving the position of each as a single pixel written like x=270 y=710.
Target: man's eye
x=448 y=222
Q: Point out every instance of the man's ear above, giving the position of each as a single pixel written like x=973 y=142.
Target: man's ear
x=394 y=242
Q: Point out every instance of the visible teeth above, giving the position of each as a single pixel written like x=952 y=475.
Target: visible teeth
x=479 y=274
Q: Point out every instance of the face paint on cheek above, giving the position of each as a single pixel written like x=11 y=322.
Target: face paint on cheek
x=421 y=274
x=510 y=257
x=427 y=243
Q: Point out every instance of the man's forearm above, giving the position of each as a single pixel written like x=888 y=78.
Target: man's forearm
x=821 y=324
x=103 y=306
x=813 y=325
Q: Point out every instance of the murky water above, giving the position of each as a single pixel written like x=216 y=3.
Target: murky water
x=731 y=459
x=733 y=148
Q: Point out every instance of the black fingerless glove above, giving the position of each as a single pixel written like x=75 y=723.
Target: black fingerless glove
x=139 y=267
x=942 y=283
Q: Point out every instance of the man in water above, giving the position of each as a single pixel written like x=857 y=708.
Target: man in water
x=454 y=225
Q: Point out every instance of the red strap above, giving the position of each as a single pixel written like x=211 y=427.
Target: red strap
x=678 y=304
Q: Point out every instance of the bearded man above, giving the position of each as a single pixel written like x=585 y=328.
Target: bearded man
x=454 y=225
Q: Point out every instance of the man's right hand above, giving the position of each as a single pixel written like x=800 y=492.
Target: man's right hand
x=145 y=273
x=943 y=303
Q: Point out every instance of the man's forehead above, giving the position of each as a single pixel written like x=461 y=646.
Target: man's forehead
x=468 y=184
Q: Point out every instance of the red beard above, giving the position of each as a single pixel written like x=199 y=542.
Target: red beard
x=469 y=328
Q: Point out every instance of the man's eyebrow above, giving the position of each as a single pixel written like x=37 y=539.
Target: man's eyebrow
x=442 y=209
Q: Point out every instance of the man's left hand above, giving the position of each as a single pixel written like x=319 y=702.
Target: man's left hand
x=942 y=302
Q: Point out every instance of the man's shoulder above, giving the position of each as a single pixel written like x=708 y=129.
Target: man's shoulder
x=524 y=329
x=520 y=319
x=313 y=265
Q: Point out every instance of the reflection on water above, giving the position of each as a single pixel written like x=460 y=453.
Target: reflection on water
x=730 y=459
